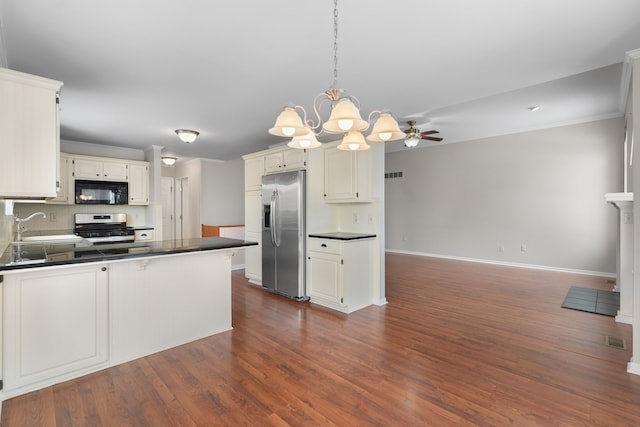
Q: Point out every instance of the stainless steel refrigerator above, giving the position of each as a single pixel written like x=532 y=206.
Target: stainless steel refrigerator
x=283 y=234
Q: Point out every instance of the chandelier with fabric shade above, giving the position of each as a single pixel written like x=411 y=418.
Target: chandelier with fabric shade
x=345 y=117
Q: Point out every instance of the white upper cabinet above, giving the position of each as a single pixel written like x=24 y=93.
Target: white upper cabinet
x=287 y=159
x=65 y=187
x=29 y=135
x=253 y=171
x=138 y=184
x=347 y=175
x=97 y=169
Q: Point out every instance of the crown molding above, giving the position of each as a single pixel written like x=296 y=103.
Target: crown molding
x=627 y=71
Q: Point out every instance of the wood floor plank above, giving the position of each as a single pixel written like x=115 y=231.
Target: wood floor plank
x=458 y=343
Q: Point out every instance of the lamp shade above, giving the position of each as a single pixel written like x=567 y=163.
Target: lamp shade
x=353 y=141
x=386 y=129
x=345 y=117
x=304 y=142
x=288 y=124
x=187 y=135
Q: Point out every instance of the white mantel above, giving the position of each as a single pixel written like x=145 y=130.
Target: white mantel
x=624 y=254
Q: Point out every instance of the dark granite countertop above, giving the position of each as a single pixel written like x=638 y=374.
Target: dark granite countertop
x=45 y=255
x=339 y=235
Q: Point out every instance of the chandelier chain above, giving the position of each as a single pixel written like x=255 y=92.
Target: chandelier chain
x=335 y=40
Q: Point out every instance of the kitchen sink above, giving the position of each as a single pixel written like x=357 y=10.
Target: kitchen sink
x=26 y=261
x=53 y=239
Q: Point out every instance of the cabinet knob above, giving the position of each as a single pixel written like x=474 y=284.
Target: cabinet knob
x=103 y=269
x=324 y=245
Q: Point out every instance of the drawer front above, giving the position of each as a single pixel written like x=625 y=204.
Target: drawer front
x=325 y=245
x=143 y=235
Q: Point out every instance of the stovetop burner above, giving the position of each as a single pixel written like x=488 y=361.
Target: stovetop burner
x=103 y=228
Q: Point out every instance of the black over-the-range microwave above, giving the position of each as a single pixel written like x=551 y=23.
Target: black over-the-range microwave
x=101 y=192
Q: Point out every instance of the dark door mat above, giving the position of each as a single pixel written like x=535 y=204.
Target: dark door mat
x=592 y=301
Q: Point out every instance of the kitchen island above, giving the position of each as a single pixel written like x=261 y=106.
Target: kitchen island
x=77 y=310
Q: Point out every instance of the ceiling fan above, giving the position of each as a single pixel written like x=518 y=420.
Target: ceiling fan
x=414 y=135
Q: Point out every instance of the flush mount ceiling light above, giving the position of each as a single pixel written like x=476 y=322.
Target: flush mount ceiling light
x=345 y=115
x=168 y=160
x=187 y=135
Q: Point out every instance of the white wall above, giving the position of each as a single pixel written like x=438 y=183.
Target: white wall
x=222 y=192
x=543 y=189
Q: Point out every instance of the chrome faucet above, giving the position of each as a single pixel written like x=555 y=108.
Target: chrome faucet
x=20 y=228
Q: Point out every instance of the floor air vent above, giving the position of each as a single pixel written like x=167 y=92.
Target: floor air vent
x=615 y=342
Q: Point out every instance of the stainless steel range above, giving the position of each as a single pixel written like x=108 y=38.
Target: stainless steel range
x=103 y=228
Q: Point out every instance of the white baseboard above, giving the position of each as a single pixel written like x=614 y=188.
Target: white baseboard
x=633 y=367
x=624 y=318
x=509 y=264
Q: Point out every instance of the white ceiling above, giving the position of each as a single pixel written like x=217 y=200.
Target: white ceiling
x=136 y=70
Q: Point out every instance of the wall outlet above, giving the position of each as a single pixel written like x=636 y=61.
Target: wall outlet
x=500 y=248
x=523 y=247
x=356 y=218
x=52 y=217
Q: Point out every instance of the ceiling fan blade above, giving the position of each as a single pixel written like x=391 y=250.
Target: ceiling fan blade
x=431 y=138
x=429 y=132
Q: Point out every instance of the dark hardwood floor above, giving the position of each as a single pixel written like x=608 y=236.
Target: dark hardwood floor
x=457 y=344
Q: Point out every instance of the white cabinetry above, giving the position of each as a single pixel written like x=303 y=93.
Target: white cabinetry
x=160 y=302
x=282 y=160
x=347 y=175
x=138 y=184
x=96 y=169
x=145 y=235
x=253 y=171
x=55 y=324
x=29 y=135
x=339 y=273
x=65 y=190
x=253 y=233
x=136 y=173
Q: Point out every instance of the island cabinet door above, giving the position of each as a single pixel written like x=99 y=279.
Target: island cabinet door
x=55 y=325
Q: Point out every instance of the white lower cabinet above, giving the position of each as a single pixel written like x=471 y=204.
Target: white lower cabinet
x=253 y=233
x=339 y=273
x=63 y=322
x=253 y=259
x=55 y=325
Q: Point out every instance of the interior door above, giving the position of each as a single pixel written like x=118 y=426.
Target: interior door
x=182 y=221
x=168 y=208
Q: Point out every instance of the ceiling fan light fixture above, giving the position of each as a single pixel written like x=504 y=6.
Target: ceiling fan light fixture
x=187 y=135
x=411 y=142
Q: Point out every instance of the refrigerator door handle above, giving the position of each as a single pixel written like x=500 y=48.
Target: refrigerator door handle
x=273 y=219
